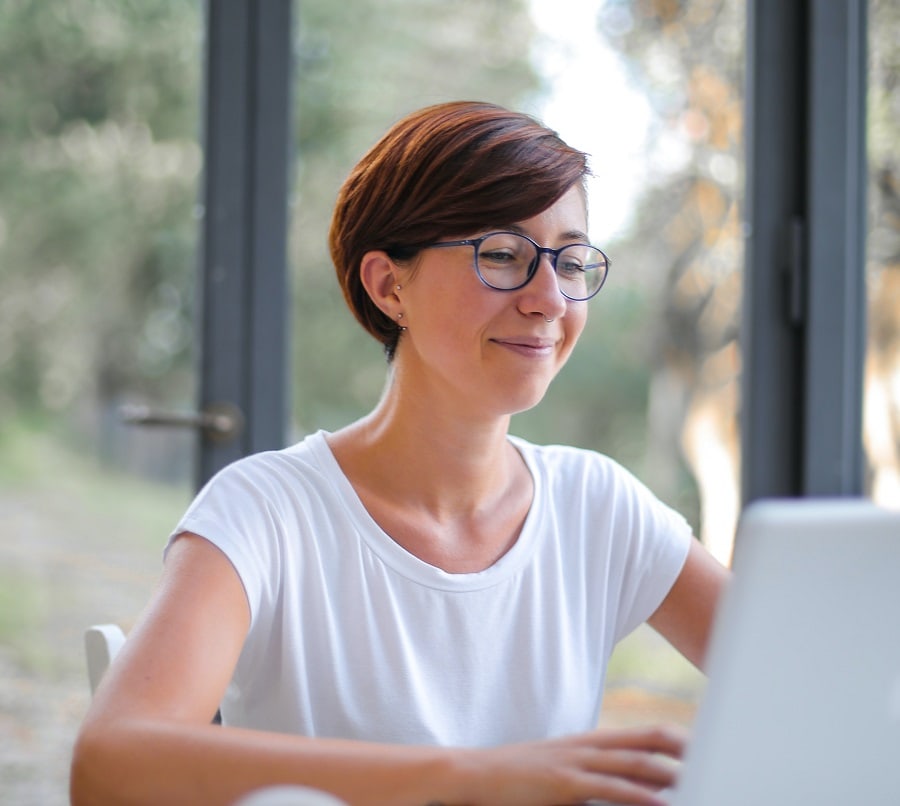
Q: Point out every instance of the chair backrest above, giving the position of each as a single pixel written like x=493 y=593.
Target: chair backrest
x=101 y=644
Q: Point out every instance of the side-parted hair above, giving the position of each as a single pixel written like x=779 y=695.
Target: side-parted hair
x=448 y=170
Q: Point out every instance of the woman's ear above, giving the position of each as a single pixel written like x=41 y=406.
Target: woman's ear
x=380 y=279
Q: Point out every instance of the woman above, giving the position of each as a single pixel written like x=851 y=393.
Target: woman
x=418 y=608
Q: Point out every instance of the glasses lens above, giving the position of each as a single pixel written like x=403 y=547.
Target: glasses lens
x=504 y=260
x=580 y=271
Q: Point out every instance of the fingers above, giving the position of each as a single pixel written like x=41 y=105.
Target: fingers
x=637 y=765
x=633 y=766
x=628 y=766
x=669 y=740
x=619 y=790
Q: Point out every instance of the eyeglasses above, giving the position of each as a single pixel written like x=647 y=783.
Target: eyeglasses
x=506 y=261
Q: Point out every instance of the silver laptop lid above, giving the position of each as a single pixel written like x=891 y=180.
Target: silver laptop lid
x=802 y=705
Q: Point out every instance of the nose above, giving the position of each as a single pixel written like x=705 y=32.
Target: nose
x=542 y=295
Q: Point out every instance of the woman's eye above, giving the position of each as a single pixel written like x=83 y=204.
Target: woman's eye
x=497 y=257
x=569 y=267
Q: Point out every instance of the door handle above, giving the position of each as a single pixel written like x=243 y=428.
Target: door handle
x=220 y=422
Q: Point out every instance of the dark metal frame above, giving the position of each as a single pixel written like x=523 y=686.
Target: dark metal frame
x=243 y=278
x=803 y=339
x=804 y=301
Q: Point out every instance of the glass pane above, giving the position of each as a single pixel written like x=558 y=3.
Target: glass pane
x=654 y=91
x=99 y=160
x=881 y=418
x=360 y=68
x=657 y=96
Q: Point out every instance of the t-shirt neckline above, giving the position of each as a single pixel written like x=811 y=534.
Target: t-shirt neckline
x=409 y=565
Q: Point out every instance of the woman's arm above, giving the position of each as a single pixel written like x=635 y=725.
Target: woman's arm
x=685 y=617
x=147 y=737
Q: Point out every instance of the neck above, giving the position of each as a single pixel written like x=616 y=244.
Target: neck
x=440 y=452
x=440 y=462
x=448 y=488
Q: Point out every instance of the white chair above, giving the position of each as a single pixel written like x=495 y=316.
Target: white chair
x=289 y=796
x=101 y=644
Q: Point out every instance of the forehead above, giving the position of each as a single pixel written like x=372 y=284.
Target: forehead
x=564 y=219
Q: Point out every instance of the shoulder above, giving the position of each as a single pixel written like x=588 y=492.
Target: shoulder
x=264 y=512
x=272 y=472
x=599 y=489
x=558 y=455
x=567 y=465
x=264 y=494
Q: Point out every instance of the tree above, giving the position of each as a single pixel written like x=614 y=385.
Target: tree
x=98 y=166
x=99 y=169
x=687 y=56
x=882 y=408
x=361 y=67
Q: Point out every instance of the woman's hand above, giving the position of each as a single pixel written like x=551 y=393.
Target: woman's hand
x=630 y=766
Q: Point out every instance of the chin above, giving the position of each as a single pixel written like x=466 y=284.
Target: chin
x=518 y=391
x=526 y=401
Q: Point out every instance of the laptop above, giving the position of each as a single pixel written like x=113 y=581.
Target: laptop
x=802 y=703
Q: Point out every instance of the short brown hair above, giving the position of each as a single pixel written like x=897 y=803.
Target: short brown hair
x=445 y=171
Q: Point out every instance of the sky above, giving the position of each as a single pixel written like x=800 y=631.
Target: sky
x=593 y=107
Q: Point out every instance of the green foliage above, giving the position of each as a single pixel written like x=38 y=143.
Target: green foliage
x=81 y=544
x=98 y=167
x=100 y=104
x=23 y=609
x=361 y=67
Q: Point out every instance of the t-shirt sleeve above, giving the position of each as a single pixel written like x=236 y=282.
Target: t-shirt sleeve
x=650 y=543
x=234 y=512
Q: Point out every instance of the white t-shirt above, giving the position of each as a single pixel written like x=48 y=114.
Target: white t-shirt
x=352 y=636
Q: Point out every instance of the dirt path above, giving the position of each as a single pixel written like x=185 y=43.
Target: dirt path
x=68 y=559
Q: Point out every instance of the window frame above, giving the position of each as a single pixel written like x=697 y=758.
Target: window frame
x=803 y=324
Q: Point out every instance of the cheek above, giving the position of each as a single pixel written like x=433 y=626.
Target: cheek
x=575 y=321
x=441 y=321
x=457 y=306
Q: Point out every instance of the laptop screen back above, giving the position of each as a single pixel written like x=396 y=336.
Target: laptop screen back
x=802 y=705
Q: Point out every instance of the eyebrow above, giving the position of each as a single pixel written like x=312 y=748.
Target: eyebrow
x=571 y=236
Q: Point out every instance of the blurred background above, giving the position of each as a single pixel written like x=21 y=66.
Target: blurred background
x=100 y=166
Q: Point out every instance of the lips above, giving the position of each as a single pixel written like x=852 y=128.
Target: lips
x=532 y=346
